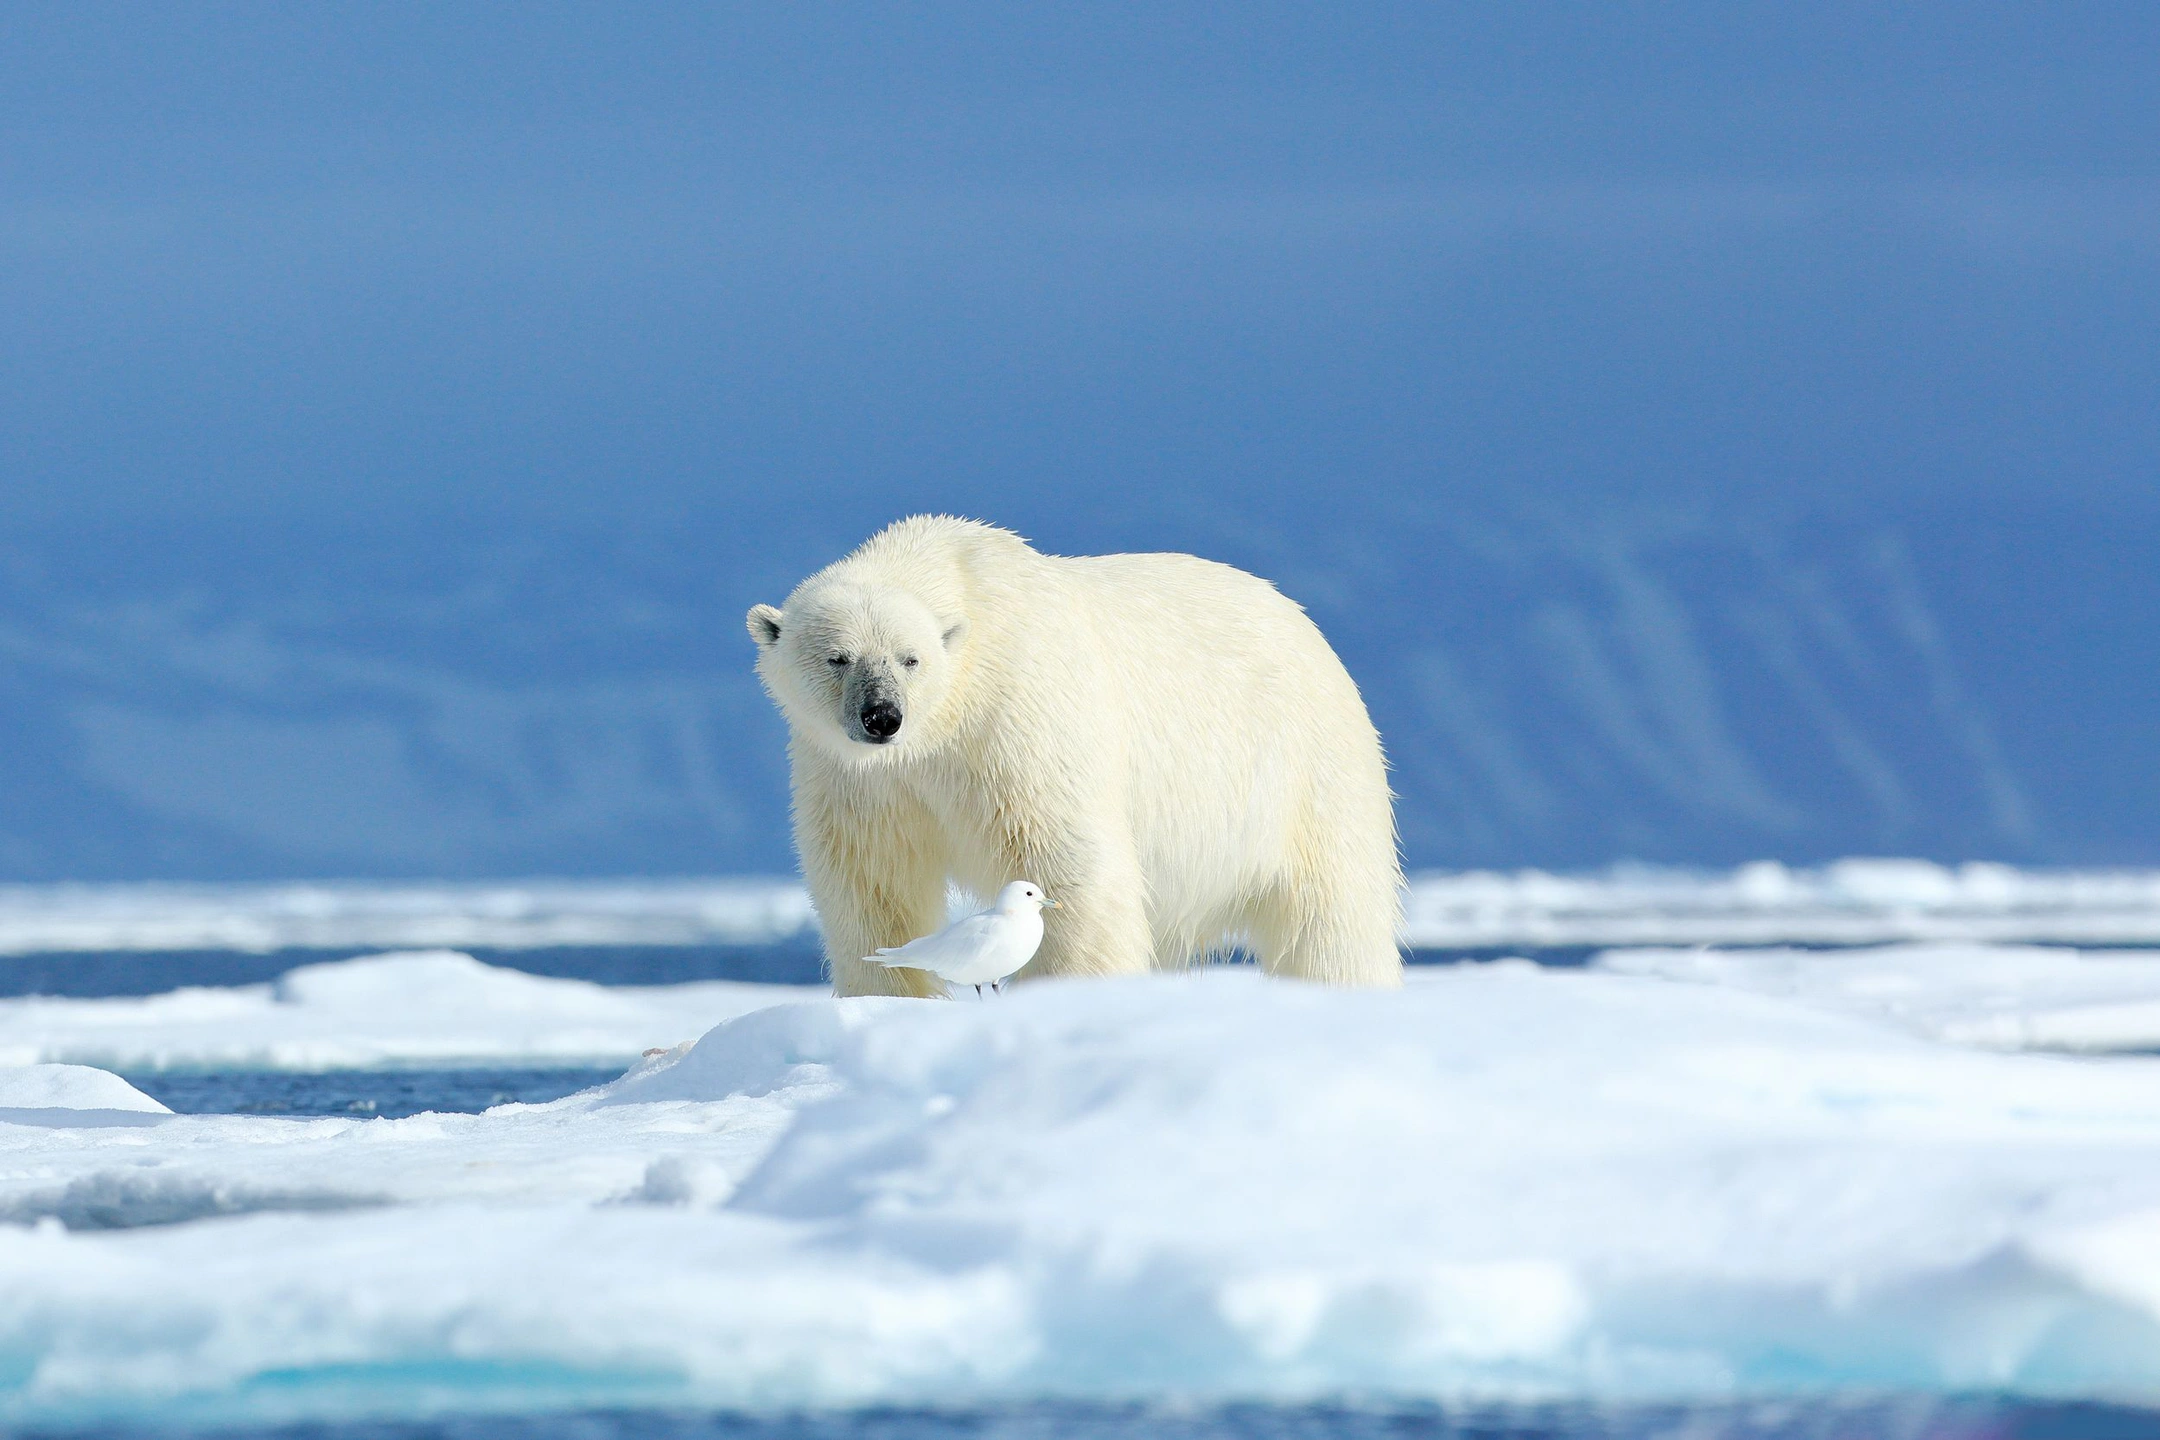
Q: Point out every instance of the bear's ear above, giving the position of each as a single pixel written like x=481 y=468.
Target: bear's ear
x=764 y=623
x=954 y=632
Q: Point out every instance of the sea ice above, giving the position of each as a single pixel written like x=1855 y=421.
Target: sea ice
x=1501 y=1182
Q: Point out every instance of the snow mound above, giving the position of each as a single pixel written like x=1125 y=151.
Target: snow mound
x=1500 y=1183
x=432 y=1008
x=70 y=1095
x=70 y=1087
x=2003 y=997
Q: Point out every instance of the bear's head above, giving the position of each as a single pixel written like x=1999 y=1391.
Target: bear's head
x=865 y=669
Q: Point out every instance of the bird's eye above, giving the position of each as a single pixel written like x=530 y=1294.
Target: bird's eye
x=836 y=659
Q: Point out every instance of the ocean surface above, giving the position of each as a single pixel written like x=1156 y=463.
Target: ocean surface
x=391 y=1094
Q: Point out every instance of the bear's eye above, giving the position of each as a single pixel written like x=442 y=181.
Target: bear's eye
x=836 y=659
x=909 y=661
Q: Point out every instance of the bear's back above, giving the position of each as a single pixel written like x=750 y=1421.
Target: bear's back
x=1239 y=725
x=1212 y=620
x=1208 y=658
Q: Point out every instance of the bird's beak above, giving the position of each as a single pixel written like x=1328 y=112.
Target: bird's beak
x=1050 y=904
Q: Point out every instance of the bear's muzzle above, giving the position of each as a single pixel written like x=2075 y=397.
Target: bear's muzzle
x=880 y=721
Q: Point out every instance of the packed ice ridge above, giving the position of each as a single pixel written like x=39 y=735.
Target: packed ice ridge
x=1631 y=1181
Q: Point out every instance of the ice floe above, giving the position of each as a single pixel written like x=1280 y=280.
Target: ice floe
x=1501 y=1182
x=432 y=1008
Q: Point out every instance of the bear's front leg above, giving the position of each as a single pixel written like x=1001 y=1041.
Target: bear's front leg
x=877 y=878
x=857 y=924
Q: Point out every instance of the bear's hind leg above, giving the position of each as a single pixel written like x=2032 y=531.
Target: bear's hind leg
x=1309 y=929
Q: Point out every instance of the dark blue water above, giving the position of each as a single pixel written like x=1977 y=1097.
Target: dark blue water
x=390 y=1094
x=1974 y=1419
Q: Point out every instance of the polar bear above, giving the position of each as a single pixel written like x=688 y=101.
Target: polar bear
x=1166 y=745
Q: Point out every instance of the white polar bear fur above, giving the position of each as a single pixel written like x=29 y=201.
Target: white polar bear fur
x=1166 y=745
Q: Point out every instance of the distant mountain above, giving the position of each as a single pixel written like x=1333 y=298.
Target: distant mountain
x=1560 y=693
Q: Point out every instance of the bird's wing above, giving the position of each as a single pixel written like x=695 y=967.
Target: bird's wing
x=956 y=943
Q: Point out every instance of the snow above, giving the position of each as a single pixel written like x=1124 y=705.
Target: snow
x=1502 y=1182
x=422 y=1008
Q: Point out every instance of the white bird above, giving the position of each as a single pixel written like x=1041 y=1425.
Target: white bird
x=983 y=949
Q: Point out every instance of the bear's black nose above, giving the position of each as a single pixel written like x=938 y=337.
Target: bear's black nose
x=881 y=720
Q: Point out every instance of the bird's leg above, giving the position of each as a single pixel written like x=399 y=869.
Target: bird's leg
x=997 y=987
x=978 y=992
